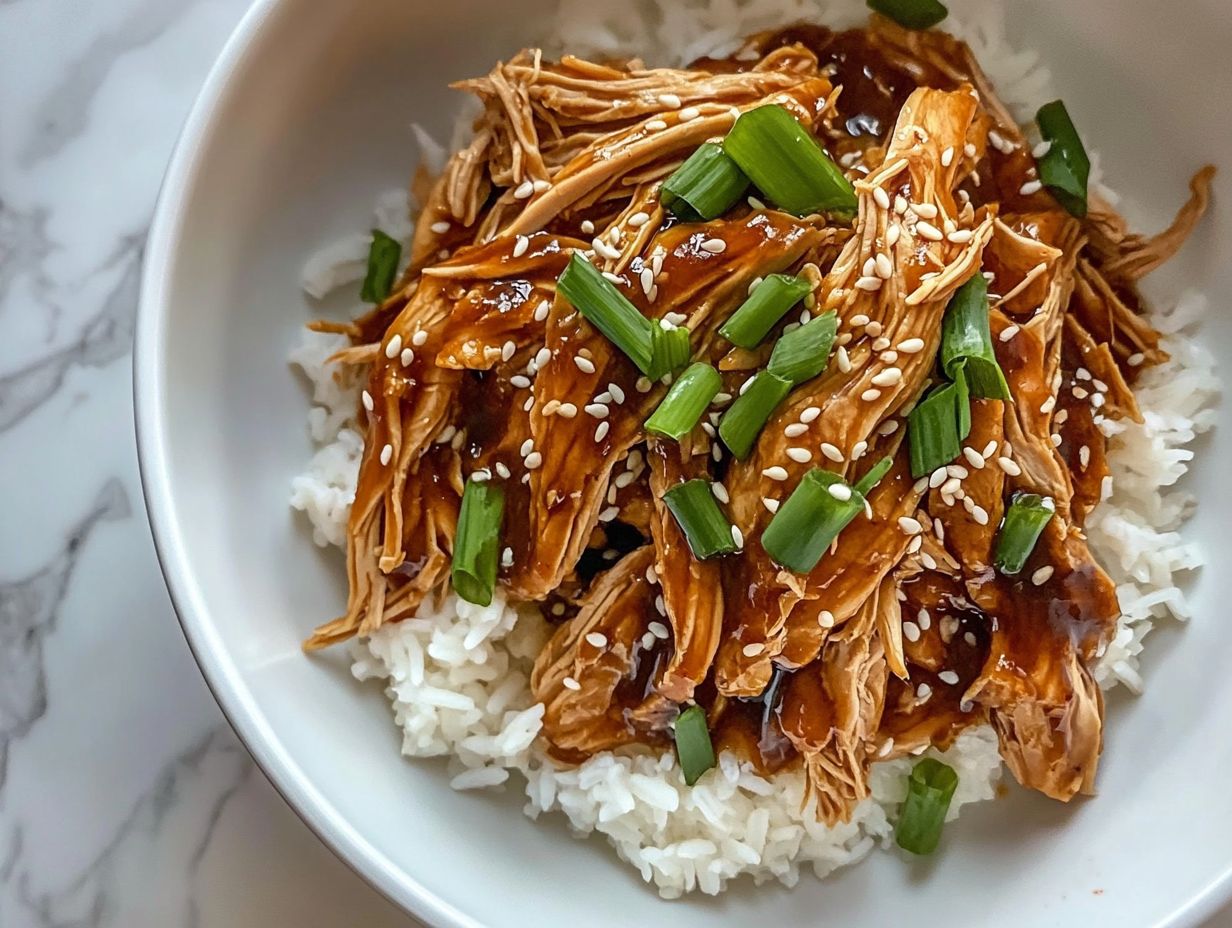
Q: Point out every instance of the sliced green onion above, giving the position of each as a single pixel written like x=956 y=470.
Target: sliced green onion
x=705 y=186
x=766 y=305
x=914 y=14
x=1020 y=529
x=965 y=336
x=477 y=542
x=696 y=511
x=810 y=520
x=609 y=311
x=669 y=349
x=747 y=416
x=930 y=787
x=873 y=477
x=383 y=256
x=938 y=424
x=685 y=401
x=803 y=352
x=1065 y=168
x=693 y=747
x=786 y=164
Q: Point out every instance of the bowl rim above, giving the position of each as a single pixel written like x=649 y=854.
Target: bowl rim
x=221 y=675
x=219 y=671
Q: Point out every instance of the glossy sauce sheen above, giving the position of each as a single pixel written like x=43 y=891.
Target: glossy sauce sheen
x=1071 y=610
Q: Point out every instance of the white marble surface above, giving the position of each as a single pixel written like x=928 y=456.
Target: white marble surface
x=125 y=800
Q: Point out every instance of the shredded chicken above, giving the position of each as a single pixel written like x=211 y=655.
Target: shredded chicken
x=905 y=632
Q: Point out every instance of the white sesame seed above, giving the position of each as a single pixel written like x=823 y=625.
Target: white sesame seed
x=588 y=227
x=1048 y=405
x=689 y=113
x=911 y=345
x=598 y=410
x=893 y=233
x=873 y=329
x=881 y=198
x=670 y=100
x=368 y=403
x=795 y=430
x=520 y=381
x=658 y=629
x=870 y=266
x=1007 y=465
x=869 y=283
x=960 y=236
x=831 y=452
x=608 y=514
x=929 y=231
x=638 y=219
x=387 y=454
x=655 y=125
x=900 y=205
x=911 y=631
x=1135 y=359
x=948 y=676
x=601 y=431
x=980 y=515
x=924 y=620
x=520 y=245
x=825 y=618
x=543 y=356
x=888 y=377
x=567 y=410
x=716 y=246
x=524 y=190
x=950 y=486
x=737 y=536
x=870 y=395
x=770 y=504
x=775 y=473
x=858 y=320
x=909 y=525
x=754 y=649
x=1084 y=457
x=888 y=428
x=840 y=491
x=720 y=492
x=1030 y=187
x=1042 y=576
x=809 y=414
x=408 y=355
x=447 y=435
x=947 y=157
x=533 y=460
x=585 y=365
x=394 y=347
x=925 y=210
x=598 y=639
x=1041 y=149
x=624 y=479
x=800 y=455
x=614 y=278
x=885 y=267
x=1056 y=440
x=974 y=458
x=1080 y=393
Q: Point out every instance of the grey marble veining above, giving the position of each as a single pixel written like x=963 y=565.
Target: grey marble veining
x=125 y=800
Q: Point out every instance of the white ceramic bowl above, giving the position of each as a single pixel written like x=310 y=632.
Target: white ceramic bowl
x=302 y=120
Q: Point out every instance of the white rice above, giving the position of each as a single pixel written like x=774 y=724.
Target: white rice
x=458 y=675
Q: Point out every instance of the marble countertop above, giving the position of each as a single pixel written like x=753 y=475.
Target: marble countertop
x=125 y=799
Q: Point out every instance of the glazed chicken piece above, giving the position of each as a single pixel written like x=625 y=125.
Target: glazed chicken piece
x=588 y=674
x=899 y=312
x=904 y=633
